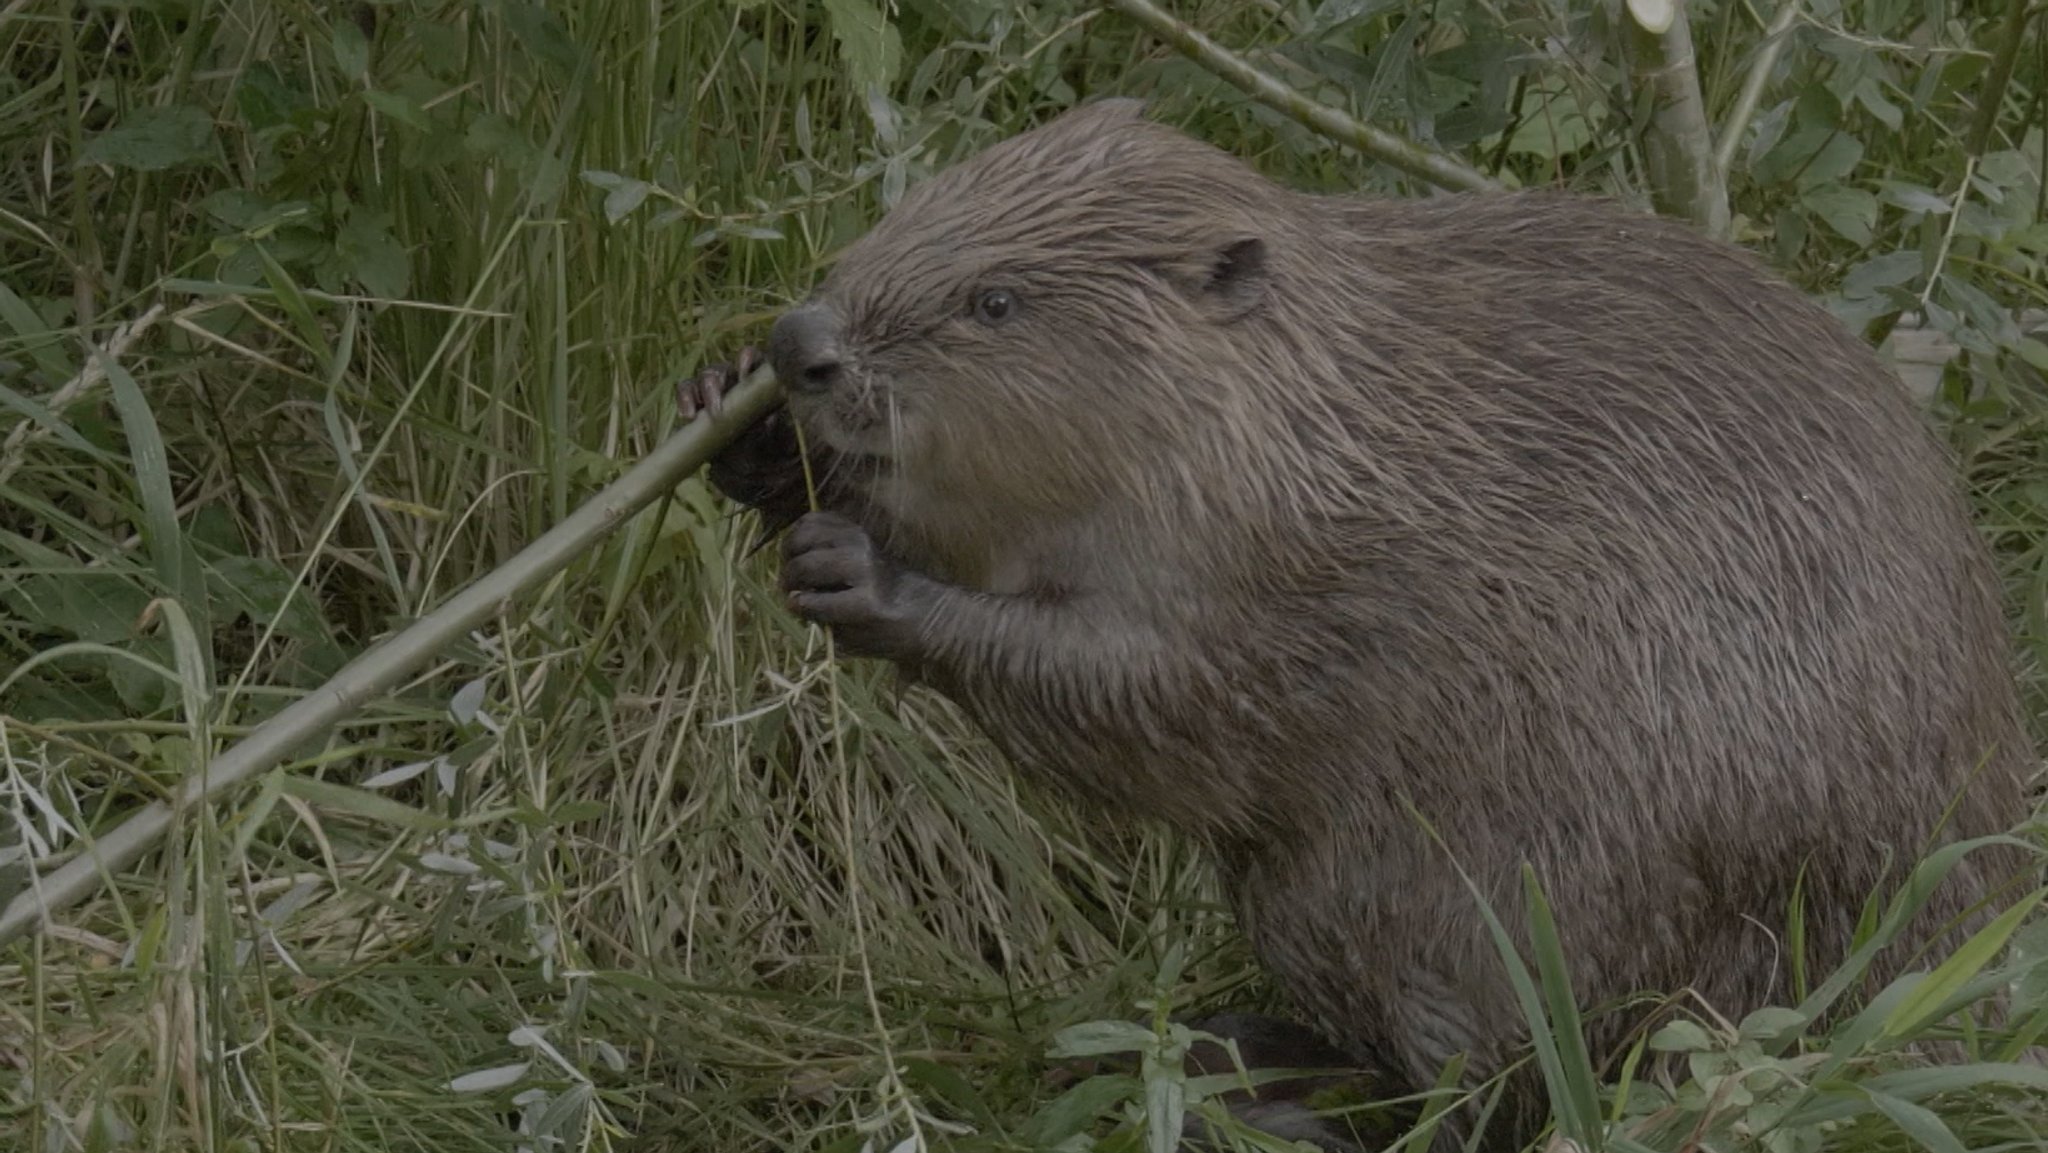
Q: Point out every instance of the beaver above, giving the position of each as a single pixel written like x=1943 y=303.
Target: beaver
x=1378 y=544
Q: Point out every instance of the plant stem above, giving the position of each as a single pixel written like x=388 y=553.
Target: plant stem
x=384 y=665
x=1677 y=145
x=1753 y=86
x=1383 y=146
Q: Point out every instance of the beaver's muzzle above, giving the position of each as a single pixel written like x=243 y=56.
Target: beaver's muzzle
x=804 y=347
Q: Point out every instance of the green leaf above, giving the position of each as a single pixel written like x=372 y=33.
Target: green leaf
x=1075 y=1110
x=1166 y=1104
x=1553 y=124
x=1851 y=212
x=265 y=100
x=1913 y=197
x=1681 y=1036
x=399 y=108
x=117 y=659
x=1887 y=271
x=1768 y=129
x=620 y=202
x=252 y=214
x=946 y=1082
x=1336 y=13
x=100 y=607
x=1770 y=1023
x=372 y=256
x=489 y=1080
x=1094 y=1038
x=263 y=588
x=351 y=50
x=2033 y=352
x=542 y=34
x=1835 y=160
x=872 y=49
x=1871 y=96
x=153 y=139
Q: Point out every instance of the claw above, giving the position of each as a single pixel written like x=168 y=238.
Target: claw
x=705 y=392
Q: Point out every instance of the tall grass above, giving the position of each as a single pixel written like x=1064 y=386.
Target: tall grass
x=390 y=288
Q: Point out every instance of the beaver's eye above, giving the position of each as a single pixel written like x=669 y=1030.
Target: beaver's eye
x=994 y=306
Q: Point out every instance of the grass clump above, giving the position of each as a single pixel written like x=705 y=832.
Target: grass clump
x=381 y=291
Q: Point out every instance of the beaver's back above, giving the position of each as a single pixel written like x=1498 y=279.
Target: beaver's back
x=1655 y=578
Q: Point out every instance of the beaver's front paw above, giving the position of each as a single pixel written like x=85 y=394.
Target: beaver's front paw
x=835 y=575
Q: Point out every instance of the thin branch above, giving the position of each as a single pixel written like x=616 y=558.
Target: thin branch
x=1775 y=38
x=375 y=671
x=1434 y=167
x=1677 y=145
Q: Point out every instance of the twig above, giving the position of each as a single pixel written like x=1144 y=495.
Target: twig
x=1991 y=99
x=1677 y=146
x=1435 y=167
x=383 y=666
x=92 y=374
x=1753 y=85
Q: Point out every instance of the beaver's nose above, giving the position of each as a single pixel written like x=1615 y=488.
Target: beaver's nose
x=804 y=348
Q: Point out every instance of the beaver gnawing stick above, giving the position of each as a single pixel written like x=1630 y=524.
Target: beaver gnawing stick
x=391 y=660
x=1385 y=547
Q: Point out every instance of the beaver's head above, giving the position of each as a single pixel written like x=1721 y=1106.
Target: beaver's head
x=1024 y=324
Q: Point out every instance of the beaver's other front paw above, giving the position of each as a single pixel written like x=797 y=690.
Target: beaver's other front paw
x=762 y=467
x=835 y=575
x=705 y=392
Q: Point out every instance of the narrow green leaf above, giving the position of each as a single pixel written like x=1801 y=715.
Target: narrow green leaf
x=51 y=422
x=1580 y=1090
x=1913 y=1013
x=369 y=806
x=42 y=344
x=294 y=304
x=146 y=454
x=1917 y=1122
x=1540 y=1033
x=1094 y=1038
x=84 y=648
x=195 y=671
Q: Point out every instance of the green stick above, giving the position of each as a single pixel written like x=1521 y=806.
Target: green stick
x=385 y=664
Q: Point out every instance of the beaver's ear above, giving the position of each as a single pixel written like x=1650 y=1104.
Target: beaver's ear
x=1237 y=278
x=1225 y=280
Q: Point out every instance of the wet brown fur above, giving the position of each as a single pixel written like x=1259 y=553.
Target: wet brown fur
x=1275 y=517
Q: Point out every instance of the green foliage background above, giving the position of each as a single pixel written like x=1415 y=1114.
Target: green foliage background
x=393 y=286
